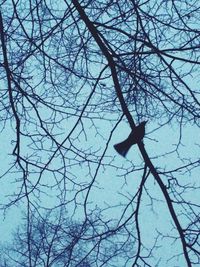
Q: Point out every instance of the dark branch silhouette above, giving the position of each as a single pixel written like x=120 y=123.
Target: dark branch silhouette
x=70 y=74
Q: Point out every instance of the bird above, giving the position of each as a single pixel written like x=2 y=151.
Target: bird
x=134 y=137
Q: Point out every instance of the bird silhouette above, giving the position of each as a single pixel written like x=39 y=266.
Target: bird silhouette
x=133 y=138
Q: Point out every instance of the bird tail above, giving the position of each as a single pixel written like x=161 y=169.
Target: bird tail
x=122 y=148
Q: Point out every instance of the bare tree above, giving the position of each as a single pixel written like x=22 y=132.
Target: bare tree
x=53 y=239
x=79 y=76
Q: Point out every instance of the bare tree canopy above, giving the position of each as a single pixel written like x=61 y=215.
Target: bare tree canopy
x=77 y=78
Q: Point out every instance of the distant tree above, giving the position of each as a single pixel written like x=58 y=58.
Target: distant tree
x=55 y=240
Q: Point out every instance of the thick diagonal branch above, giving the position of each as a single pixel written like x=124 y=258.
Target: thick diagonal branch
x=102 y=46
x=10 y=93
